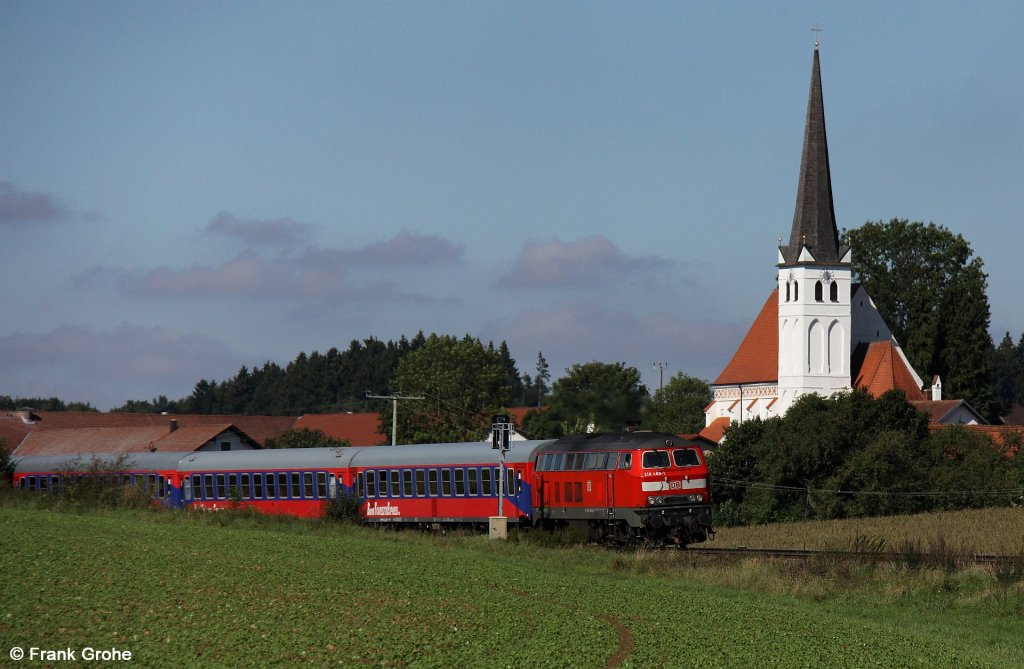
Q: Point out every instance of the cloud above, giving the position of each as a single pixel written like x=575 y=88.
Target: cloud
x=259 y=231
x=406 y=248
x=25 y=207
x=589 y=262
x=249 y=275
x=403 y=250
x=109 y=367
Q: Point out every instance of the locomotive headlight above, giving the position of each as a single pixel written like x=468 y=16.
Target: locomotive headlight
x=697 y=497
x=651 y=501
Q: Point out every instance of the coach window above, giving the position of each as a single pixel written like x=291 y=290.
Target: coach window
x=474 y=488
x=625 y=460
x=421 y=483
x=396 y=486
x=460 y=482
x=44 y=483
x=655 y=459
x=307 y=485
x=207 y=486
x=360 y=485
x=186 y=488
x=282 y=485
x=432 y=482
x=406 y=483
x=510 y=482
x=222 y=489
x=686 y=457
x=245 y=490
x=485 y=481
x=371 y=483
x=446 y=482
x=321 y=485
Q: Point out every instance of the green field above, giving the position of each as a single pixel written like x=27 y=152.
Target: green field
x=212 y=590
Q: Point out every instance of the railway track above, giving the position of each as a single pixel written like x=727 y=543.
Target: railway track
x=861 y=556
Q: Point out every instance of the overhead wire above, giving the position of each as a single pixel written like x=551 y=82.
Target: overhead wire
x=880 y=493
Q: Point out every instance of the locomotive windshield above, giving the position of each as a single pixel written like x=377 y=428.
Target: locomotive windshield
x=655 y=459
x=686 y=458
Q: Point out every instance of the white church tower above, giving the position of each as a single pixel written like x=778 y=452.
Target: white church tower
x=814 y=276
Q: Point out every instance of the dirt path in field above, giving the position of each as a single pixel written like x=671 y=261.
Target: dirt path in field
x=626 y=643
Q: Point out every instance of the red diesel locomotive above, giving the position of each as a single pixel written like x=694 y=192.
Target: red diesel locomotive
x=625 y=486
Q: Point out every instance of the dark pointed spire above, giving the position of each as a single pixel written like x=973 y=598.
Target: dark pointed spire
x=814 y=221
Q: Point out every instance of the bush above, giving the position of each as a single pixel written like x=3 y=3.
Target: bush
x=345 y=509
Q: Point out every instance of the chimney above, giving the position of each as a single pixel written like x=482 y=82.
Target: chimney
x=936 y=388
x=174 y=424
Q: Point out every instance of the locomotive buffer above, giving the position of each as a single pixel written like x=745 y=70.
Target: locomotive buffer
x=501 y=441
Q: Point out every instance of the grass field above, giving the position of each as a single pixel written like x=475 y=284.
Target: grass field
x=996 y=531
x=215 y=590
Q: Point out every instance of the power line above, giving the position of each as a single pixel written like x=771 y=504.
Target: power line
x=394 y=410
x=879 y=493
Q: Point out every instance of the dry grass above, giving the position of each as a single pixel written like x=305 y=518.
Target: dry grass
x=996 y=531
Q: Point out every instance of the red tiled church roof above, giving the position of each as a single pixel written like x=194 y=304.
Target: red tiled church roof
x=757 y=358
x=878 y=367
x=715 y=430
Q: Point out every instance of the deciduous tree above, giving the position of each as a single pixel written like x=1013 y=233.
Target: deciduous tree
x=930 y=289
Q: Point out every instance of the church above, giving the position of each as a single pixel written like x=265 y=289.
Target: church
x=818 y=331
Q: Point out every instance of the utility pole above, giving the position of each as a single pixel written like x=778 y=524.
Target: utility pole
x=661 y=374
x=394 y=410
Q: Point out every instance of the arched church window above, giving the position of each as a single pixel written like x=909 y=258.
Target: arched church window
x=796 y=291
x=817 y=291
x=833 y=292
x=787 y=291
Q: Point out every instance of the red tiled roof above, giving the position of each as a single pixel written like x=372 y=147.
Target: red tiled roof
x=997 y=433
x=757 y=358
x=936 y=409
x=120 y=439
x=359 y=429
x=191 y=437
x=878 y=367
x=259 y=428
x=716 y=430
x=91 y=440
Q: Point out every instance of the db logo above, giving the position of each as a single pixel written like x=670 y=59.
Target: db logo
x=675 y=485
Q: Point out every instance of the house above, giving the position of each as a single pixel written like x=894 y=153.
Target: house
x=116 y=440
x=39 y=432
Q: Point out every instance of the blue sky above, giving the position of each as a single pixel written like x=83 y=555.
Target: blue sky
x=186 y=188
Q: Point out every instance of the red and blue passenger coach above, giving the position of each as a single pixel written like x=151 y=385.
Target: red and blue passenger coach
x=157 y=473
x=626 y=485
x=444 y=483
x=291 y=481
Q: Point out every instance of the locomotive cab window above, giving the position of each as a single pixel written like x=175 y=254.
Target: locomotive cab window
x=686 y=457
x=655 y=459
x=625 y=460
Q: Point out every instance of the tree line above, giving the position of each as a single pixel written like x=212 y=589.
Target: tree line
x=858 y=456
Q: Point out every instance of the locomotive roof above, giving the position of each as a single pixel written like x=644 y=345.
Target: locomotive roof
x=617 y=441
x=96 y=461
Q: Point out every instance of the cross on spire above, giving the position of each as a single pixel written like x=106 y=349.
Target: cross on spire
x=817 y=33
